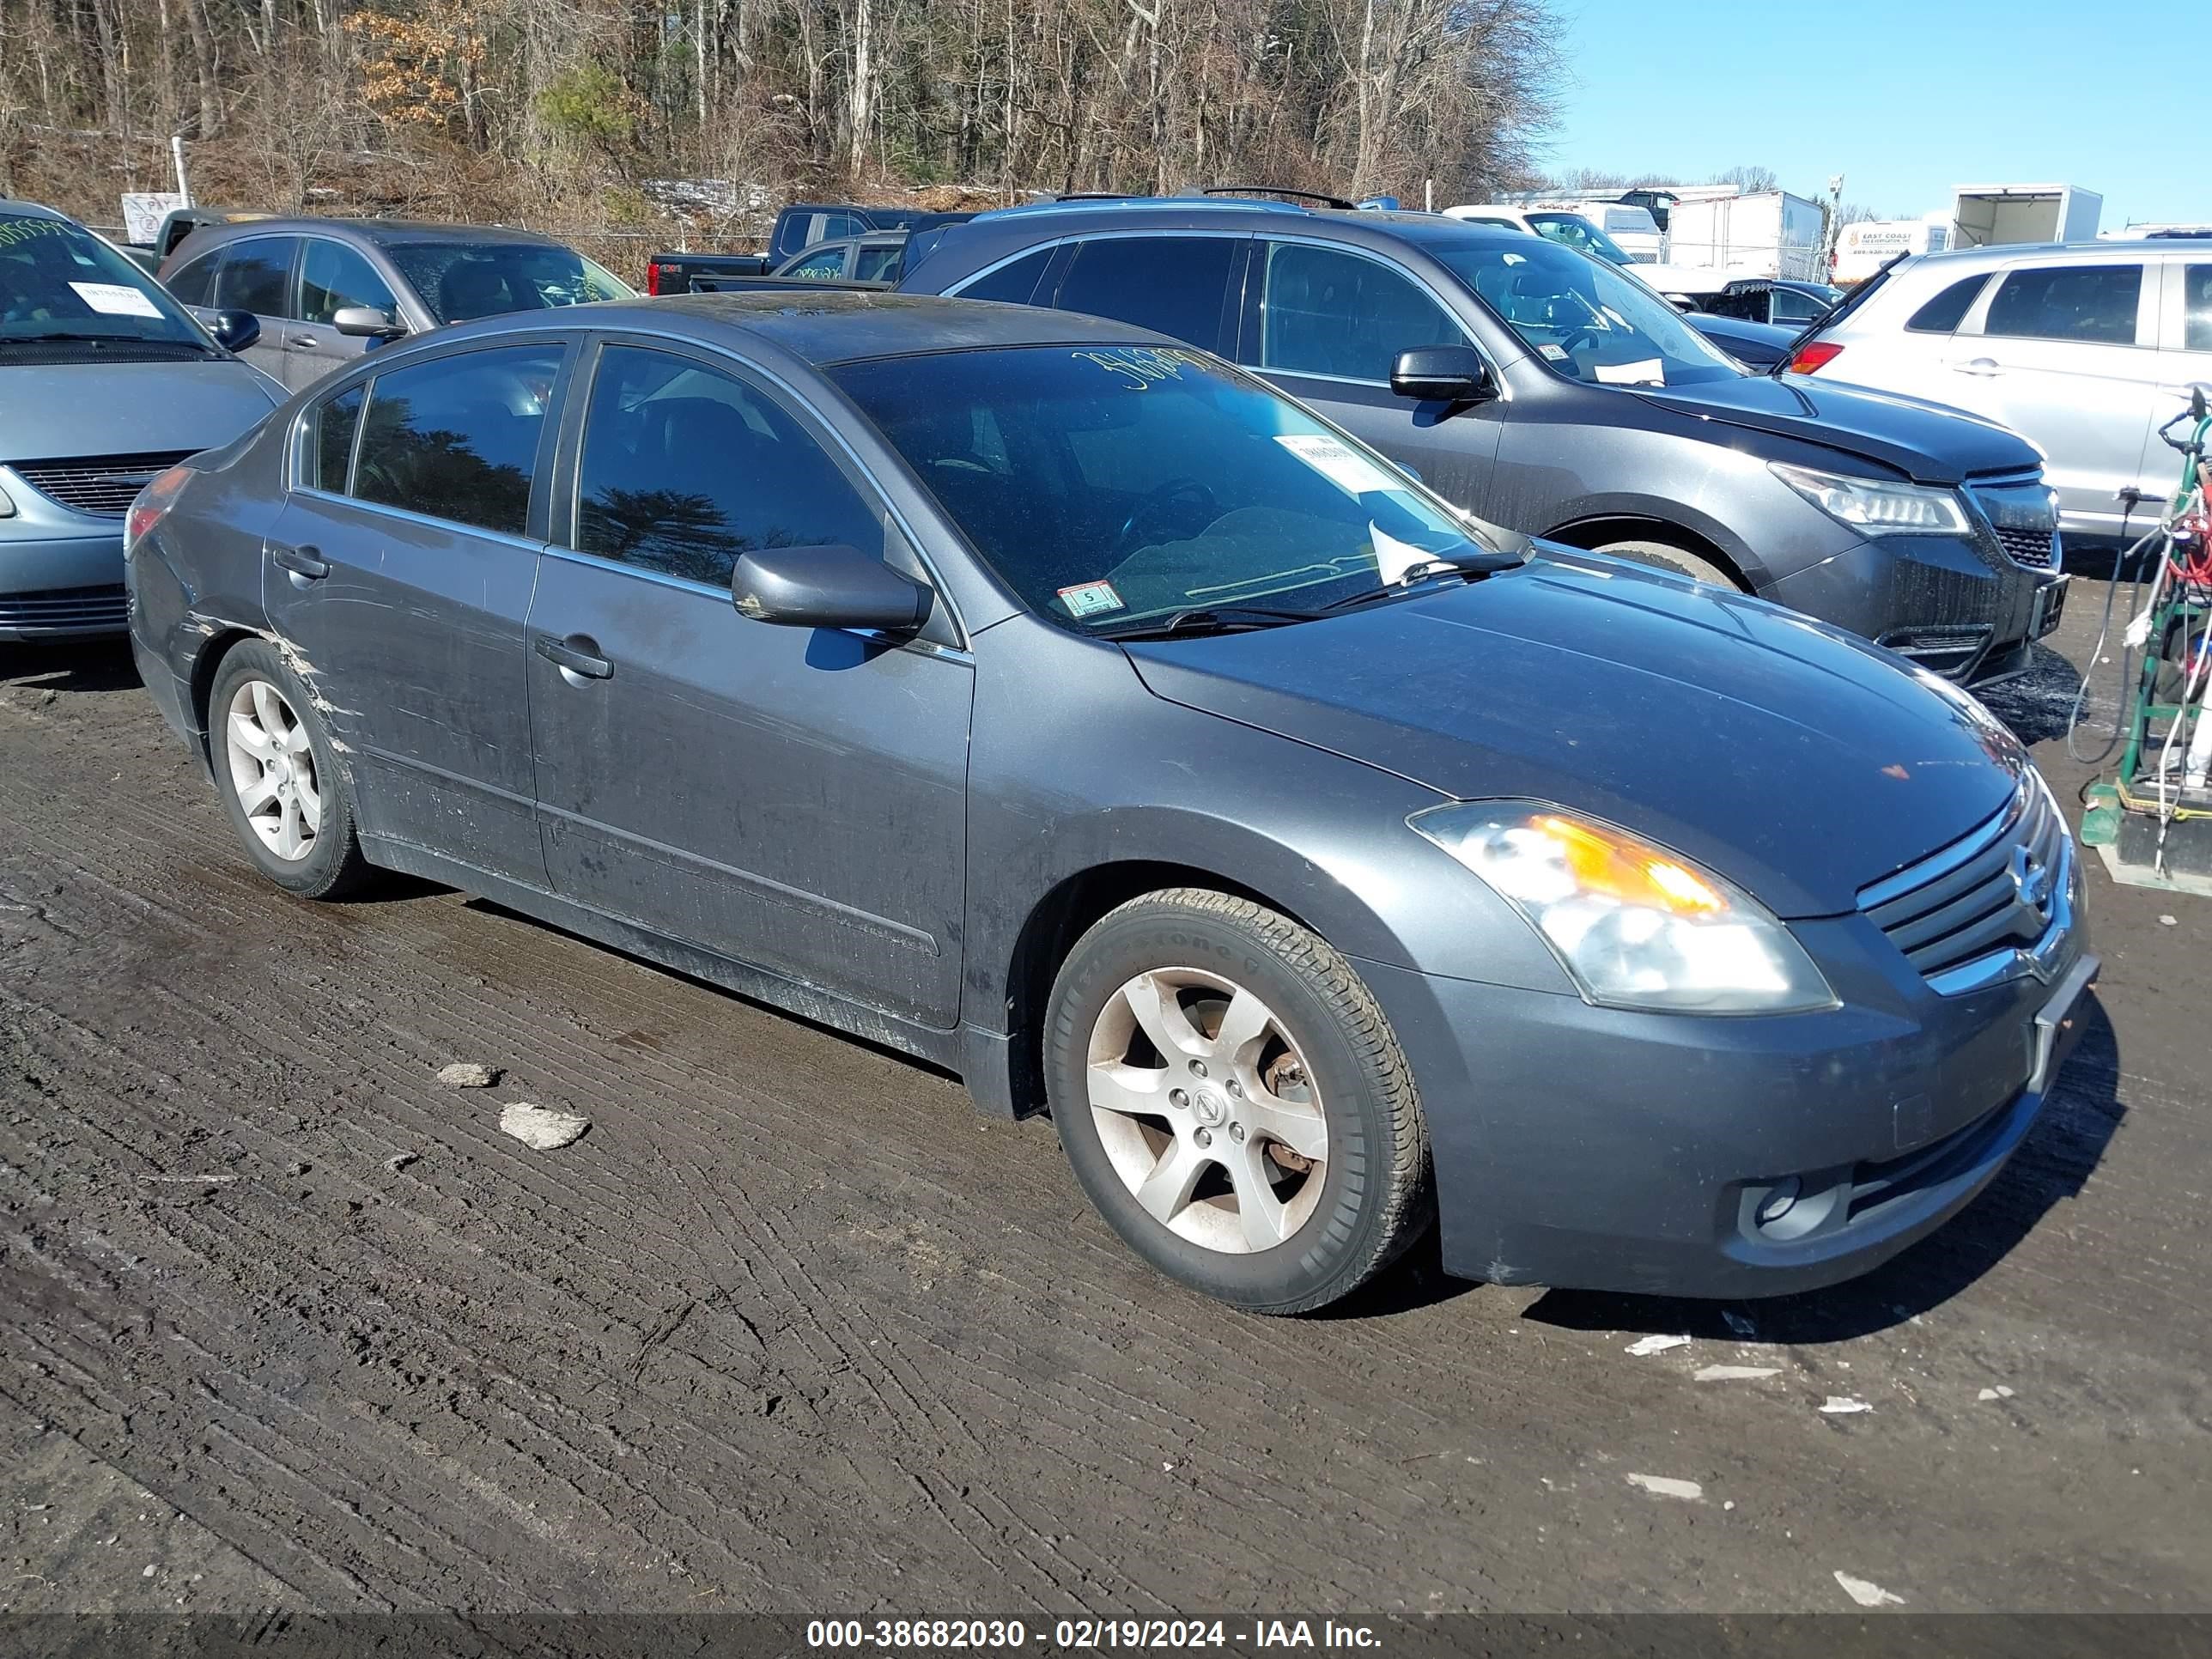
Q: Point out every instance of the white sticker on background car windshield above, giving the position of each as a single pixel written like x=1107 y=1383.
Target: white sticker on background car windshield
x=1650 y=371
x=1352 y=473
x=1089 y=598
x=1551 y=352
x=115 y=300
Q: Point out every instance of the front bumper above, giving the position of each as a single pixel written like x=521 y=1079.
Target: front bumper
x=61 y=587
x=1605 y=1150
x=1961 y=608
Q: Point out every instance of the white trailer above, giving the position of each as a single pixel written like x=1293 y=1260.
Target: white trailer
x=1768 y=233
x=1986 y=216
x=1864 y=248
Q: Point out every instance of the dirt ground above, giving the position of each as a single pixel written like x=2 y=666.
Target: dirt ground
x=288 y=1323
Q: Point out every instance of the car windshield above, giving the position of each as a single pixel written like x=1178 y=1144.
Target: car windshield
x=1573 y=230
x=1111 y=485
x=458 y=280
x=59 y=281
x=1587 y=320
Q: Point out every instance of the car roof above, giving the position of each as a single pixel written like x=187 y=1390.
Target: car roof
x=388 y=231
x=32 y=210
x=1959 y=258
x=845 y=325
x=1044 y=220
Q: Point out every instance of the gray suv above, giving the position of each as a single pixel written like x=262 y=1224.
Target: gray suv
x=1555 y=395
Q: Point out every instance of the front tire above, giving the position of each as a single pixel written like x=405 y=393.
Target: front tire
x=1232 y=1100
x=1663 y=556
x=288 y=798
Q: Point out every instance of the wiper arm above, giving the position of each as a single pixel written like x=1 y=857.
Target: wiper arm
x=1214 y=619
x=86 y=337
x=1474 y=565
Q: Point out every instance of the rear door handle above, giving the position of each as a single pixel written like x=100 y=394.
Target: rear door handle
x=303 y=561
x=578 y=654
x=1984 y=366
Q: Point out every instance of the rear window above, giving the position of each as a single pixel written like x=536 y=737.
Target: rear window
x=1943 y=314
x=457 y=437
x=2197 y=302
x=1015 y=282
x=2093 y=304
x=1171 y=283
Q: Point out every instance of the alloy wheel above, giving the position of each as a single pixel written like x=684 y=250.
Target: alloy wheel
x=272 y=769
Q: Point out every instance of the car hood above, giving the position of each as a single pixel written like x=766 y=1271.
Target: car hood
x=1789 y=757
x=56 y=411
x=1928 y=442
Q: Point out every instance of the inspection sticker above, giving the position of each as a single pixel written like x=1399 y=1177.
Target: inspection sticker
x=1089 y=598
x=115 y=300
x=1553 y=353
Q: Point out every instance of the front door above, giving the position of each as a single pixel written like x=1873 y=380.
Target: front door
x=2066 y=354
x=789 y=798
x=400 y=575
x=332 y=276
x=1326 y=326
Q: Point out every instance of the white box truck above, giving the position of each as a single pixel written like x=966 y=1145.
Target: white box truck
x=1770 y=233
x=1985 y=215
x=1863 y=248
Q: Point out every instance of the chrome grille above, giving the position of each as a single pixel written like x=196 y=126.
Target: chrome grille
x=1969 y=914
x=64 y=607
x=2020 y=518
x=103 y=485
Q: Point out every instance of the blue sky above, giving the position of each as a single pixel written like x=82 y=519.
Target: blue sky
x=1905 y=99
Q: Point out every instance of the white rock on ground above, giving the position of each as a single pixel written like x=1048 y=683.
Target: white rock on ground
x=1866 y=1593
x=1656 y=1345
x=541 y=1127
x=1736 y=1373
x=1841 y=1405
x=468 y=1074
x=1665 y=1486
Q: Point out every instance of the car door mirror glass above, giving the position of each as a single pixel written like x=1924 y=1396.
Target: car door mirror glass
x=1453 y=373
x=234 y=331
x=832 y=586
x=366 y=322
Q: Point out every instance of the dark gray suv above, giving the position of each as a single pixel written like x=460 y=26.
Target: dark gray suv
x=1581 y=407
x=1063 y=705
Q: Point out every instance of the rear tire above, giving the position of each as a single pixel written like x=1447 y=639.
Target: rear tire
x=1233 y=1102
x=1661 y=556
x=288 y=797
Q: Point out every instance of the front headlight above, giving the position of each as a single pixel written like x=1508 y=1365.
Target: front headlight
x=1875 y=509
x=1635 y=927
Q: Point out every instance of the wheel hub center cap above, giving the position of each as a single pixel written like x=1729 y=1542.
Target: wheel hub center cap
x=1206 y=1106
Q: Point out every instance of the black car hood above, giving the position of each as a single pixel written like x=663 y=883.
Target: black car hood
x=1926 y=442
x=1789 y=757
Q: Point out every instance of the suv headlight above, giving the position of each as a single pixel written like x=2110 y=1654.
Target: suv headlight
x=1634 y=926
x=1875 y=509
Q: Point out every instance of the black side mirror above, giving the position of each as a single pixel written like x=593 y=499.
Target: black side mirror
x=234 y=331
x=1457 y=374
x=2196 y=403
x=366 y=322
x=835 y=585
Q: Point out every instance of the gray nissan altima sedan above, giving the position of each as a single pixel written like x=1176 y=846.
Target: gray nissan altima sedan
x=1068 y=708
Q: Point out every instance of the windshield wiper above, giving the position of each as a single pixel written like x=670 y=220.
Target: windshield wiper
x=1473 y=565
x=85 y=336
x=1213 y=619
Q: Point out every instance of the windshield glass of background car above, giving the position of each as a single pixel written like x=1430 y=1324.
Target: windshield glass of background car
x=1112 y=484
x=56 y=278
x=1585 y=319
x=459 y=282
x=1573 y=230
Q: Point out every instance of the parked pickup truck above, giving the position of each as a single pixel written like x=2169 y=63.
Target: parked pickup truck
x=800 y=229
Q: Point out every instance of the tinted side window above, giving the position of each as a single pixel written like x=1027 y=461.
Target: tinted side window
x=2095 y=303
x=329 y=439
x=333 y=275
x=1016 y=283
x=1172 y=283
x=879 y=265
x=257 y=275
x=194 y=283
x=684 y=468
x=457 y=437
x=1327 y=312
x=1791 y=307
x=2196 y=308
x=830 y=262
x=1943 y=314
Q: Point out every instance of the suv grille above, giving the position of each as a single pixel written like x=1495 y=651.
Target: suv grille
x=1964 y=914
x=2021 y=518
x=103 y=485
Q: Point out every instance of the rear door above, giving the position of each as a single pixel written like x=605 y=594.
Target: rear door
x=790 y=798
x=1326 y=324
x=332 y=276
x=255 y=275
x=2066 y=353
x=400 y=575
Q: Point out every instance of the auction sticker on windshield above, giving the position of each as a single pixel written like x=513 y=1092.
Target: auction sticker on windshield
x=1089 y=598
x=1352 y=473
x=115 y=300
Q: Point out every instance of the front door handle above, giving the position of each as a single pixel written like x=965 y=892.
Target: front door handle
x=306 y=563
x=578 y=654
x=1983 y=366
x=307 y=340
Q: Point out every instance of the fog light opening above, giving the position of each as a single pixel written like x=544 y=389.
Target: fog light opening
x=1779 y=1202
